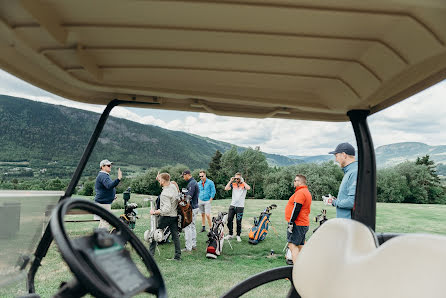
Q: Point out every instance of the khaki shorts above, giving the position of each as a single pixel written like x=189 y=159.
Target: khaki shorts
x=103 y=223
x=204 y=207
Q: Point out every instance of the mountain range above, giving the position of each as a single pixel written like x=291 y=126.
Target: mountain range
x=391 y=154
x=46 y=136
x=36 y=135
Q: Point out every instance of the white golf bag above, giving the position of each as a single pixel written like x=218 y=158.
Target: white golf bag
x=155 y=234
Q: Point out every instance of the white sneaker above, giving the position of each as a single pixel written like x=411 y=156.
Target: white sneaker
x=239 y=239
x=229 y=237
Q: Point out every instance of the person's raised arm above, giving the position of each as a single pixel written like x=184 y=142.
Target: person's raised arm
x=108 y=183
x=228 y=186
x=247 y=187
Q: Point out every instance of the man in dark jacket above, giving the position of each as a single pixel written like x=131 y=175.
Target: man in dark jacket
x=190 y=233
x=105 y=188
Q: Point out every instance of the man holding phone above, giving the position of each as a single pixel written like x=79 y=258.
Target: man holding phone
x=239 y=189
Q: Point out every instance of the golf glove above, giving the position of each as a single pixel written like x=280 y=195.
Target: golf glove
x=242 y=180
x=290 y=227
x=328 y=200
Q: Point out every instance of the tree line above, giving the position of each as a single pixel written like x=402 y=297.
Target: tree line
x=408 y=182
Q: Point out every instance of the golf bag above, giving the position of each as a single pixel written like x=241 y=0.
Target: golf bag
x=184 y=210
x=129 y=217
x=260 y=229
x=321 y=218
x=155 y=234
x=130 y=213
x=216 y=235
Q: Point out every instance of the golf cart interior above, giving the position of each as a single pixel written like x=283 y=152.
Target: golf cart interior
x=310 y=60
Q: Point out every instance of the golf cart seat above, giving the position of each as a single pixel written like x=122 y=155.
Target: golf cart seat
x=343 y=259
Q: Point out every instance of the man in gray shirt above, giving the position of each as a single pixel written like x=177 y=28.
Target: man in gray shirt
x=239 y=188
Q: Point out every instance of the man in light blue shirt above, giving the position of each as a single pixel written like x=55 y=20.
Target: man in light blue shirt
x=205 y=197
x=345 y=202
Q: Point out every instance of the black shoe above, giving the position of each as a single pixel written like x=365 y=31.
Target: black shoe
x=203 y=230
x=289 y=262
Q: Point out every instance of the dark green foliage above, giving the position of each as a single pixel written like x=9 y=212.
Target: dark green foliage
x=216 y=174
x=87 y=188
x=215 y=166
x=392 y=187
x=322 y=179
x=254 y=167
x=430 y=164
x=411 y=182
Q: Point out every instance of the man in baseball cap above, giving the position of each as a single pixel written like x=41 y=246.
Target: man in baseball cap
x=105 y=188
x=344 y=147
x=105 y=162
x=345 y=202
x=190 y=232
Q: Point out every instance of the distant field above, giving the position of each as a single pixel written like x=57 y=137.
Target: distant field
x=196 y=276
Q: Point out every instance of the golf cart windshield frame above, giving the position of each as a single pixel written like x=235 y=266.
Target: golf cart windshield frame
x=365 y=203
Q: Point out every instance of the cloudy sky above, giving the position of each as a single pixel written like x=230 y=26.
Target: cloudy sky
x=420 y=118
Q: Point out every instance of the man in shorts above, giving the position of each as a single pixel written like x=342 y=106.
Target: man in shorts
x=297 y=214
x=207 y=194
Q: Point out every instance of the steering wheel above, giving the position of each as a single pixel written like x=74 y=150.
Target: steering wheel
x=100 y=262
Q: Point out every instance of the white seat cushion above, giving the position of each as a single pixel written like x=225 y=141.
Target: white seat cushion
x=341 y=260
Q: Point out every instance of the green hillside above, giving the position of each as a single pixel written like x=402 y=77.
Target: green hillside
x=48 y=140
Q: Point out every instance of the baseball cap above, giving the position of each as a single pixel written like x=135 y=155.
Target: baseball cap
x=185 y=172
x=105 y=162
x=344 y=147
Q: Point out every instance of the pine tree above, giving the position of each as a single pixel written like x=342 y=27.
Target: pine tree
x=430 y=164
x=215 y=166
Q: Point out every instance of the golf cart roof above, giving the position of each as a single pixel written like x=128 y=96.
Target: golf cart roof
x=305 y=59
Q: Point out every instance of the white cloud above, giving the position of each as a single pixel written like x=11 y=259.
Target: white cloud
x=418 y=119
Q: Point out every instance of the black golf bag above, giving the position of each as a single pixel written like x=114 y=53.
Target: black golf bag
x=216 y=235
x=130 y=213
x=260 y=229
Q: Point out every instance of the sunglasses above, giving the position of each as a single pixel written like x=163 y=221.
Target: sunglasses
x=108 y=166
x=201 y=176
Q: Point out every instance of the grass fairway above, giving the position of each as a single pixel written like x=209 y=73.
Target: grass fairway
x=196 y=276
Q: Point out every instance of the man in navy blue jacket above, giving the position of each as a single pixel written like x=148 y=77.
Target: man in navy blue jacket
x=105 y=188
x=190 y=232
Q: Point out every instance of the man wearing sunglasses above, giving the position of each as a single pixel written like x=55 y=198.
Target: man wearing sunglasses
x=105 y=188
x=205 y=197
x=239 y=189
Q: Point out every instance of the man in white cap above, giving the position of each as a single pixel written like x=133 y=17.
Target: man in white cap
x=345 y=202
x=105 y=188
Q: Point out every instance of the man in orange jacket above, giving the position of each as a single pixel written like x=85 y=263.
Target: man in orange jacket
x=297 y=214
